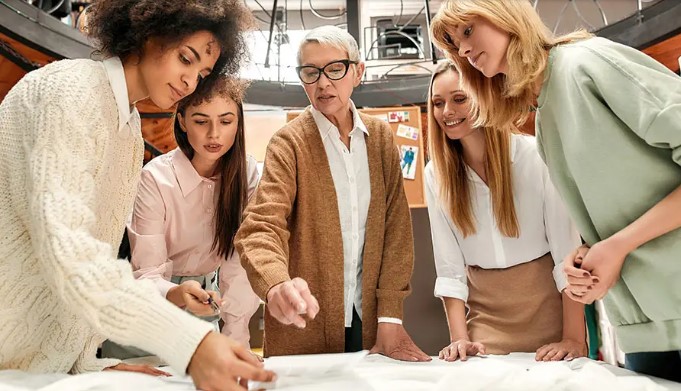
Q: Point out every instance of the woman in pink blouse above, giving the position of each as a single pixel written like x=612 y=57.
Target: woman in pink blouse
x=189 y=207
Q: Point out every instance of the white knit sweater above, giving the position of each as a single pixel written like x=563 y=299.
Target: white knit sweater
x=68 y=177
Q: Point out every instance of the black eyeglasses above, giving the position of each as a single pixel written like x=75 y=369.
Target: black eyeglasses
x=336 y=70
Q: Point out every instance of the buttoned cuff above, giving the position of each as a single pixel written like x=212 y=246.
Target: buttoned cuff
x=385 y=319
x=451 y=287
x=560 y=277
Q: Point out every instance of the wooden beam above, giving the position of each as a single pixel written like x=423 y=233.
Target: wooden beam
x=667 y=52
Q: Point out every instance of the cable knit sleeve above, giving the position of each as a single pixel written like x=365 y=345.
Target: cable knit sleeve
x=87 y=361
x=61 y=150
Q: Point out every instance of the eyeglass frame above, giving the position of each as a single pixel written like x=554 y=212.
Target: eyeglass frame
x=346 y=62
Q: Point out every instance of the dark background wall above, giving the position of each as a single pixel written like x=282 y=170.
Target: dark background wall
x=424 y=315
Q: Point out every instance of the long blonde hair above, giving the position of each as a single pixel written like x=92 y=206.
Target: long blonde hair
x=451 y=173
x=505 y=99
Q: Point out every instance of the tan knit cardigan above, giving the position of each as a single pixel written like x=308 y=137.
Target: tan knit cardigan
x=291 y=228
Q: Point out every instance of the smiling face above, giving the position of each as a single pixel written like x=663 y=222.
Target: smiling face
x=450 y=105
x=483 y=44
x=211 y=129
x=171 y=74
x=330 y=97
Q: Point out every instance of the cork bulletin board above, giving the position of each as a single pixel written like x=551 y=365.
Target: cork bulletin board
x=406 y=125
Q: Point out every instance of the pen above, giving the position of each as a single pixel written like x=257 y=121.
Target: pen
x=213 y=304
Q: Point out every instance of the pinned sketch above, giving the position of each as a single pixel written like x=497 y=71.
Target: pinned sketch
x=398 y=116
x=408 y=161
x=407 y=131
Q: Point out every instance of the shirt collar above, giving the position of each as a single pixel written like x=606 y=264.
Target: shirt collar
x=116 y=75
x=325 y=126
x=186 y=174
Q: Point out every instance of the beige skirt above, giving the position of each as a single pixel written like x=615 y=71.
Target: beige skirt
x=517 y=309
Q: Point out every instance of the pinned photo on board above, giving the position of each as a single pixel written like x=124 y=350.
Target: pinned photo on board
x=409 y=154
x=398 y=116
x=407 y=131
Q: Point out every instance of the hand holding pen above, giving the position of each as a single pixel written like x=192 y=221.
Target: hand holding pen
x=213 y=304
x=192 y=297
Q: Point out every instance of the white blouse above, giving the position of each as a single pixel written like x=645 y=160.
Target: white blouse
x=544 y=224
x=350 y=173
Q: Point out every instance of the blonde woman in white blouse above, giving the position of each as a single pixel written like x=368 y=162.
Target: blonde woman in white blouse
x=500 y=232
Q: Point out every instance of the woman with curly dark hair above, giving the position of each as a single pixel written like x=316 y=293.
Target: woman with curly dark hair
x=70 y=158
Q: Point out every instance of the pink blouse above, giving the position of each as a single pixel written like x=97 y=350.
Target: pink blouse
x=171 y=234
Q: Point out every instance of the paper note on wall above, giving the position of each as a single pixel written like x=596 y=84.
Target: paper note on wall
x=407 y=131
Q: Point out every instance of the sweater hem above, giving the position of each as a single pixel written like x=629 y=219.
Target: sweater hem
x=662 y=336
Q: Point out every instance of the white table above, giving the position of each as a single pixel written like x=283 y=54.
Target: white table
x=519 y=371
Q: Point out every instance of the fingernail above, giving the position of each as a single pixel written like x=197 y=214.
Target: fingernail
x=589 y=287
x=585 y=274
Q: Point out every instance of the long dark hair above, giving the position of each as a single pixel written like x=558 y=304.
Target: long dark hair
x=231 y=169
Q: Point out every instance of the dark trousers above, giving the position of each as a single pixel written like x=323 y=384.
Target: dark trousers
x=666 y=365
x=353 y=334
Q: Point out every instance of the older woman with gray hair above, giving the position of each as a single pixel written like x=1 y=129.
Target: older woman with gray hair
x=327 y=239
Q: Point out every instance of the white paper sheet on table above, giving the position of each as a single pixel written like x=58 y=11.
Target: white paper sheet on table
x=309 y=367
x=315 y=364
x=94 y=381
x=496 y=374
x=515 y=372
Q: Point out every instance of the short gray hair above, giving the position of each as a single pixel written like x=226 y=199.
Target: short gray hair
x=331 y=36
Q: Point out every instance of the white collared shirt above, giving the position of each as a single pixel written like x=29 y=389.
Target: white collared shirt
x=542 y=218
x=128 y=116
x=350 y=172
